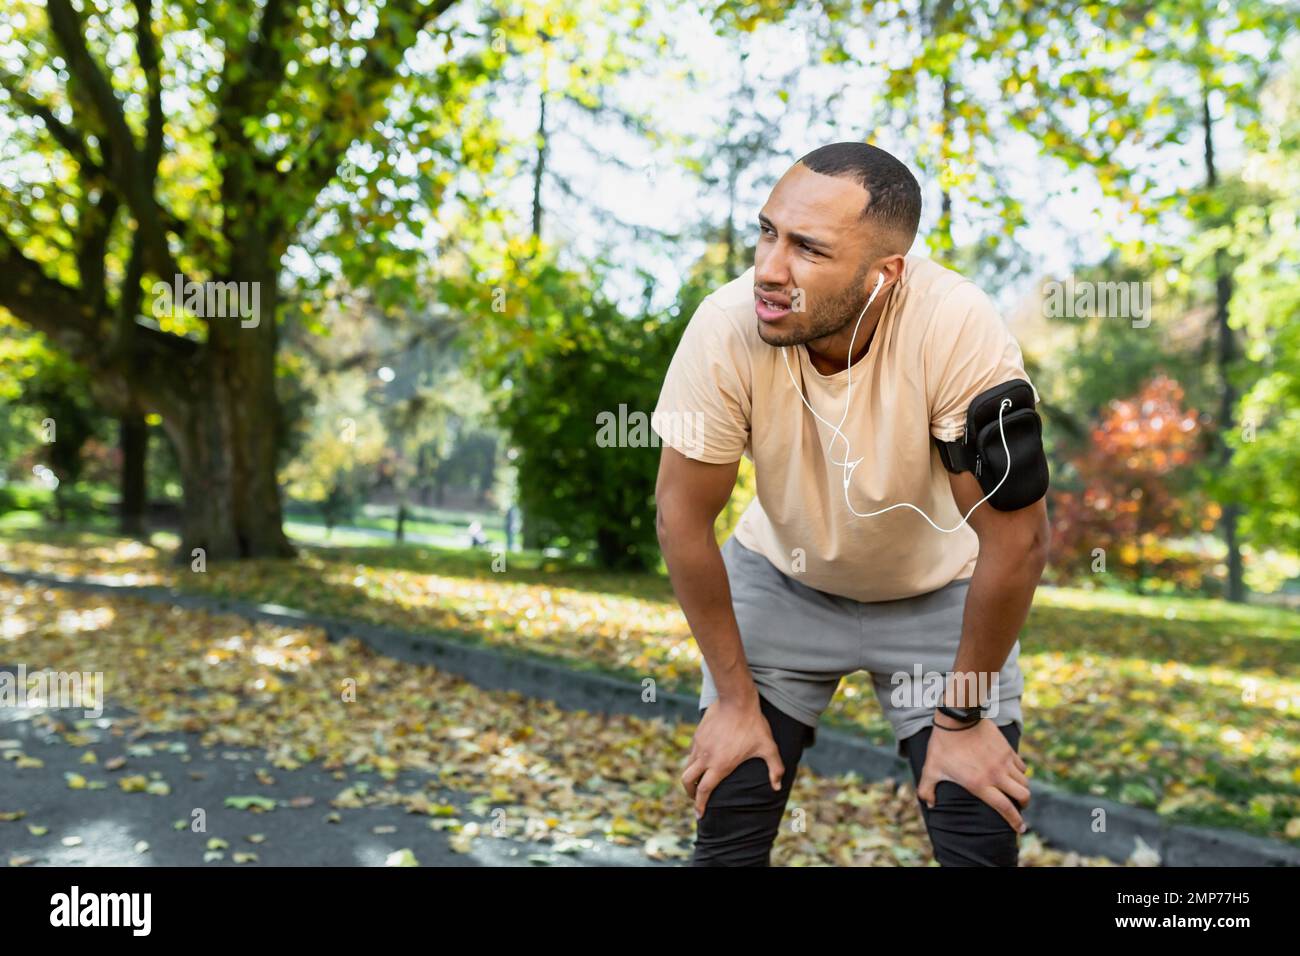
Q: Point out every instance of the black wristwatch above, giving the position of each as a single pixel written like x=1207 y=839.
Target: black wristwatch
x=965 y=714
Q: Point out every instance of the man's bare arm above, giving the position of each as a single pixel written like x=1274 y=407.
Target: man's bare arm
x=689 y=495
x=1013 y=552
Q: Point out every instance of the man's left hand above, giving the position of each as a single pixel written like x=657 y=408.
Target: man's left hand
x=979 y=759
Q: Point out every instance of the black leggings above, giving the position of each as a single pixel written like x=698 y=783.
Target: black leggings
x=744 y=813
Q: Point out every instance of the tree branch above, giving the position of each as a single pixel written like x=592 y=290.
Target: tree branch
x=126 y=330
x=147 y=51
x=126 y=165
x=63 y=134
x=96 y=222
x=263 y=65
x=72 y=142
x=46 y=304
x=73 y=323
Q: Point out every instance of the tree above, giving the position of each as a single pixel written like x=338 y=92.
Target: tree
x=580 y=492
x=346 y=440
x=264 y=120
x=1265 y=307
x=1208 y=54
x=61 y=419
x=1130 y=488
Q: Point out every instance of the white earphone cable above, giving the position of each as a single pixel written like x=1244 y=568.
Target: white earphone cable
x=850 y=465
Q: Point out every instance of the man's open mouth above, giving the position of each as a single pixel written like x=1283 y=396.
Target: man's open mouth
x=770 y=307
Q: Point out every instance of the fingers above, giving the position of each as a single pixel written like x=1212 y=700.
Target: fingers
x=775 y=768
x=772 y=757
x=925 y=786
x=1016 y=790
x=1019 y=761
x=705 y=789
x=1015 y=775
x=1000 y=802
x=691 y=776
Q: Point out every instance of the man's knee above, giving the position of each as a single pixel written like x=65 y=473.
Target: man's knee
x=743 y=814
x=741 y=818
x=963 y=829
x=966 y=831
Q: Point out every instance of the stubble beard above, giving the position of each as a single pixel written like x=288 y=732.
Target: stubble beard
x=835 y=315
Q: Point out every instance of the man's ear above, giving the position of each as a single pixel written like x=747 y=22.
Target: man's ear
x=891 y=267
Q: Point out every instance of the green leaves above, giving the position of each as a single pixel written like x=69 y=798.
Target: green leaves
x=250 y=803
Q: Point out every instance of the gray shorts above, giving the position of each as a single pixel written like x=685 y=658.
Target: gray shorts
x=799 y=642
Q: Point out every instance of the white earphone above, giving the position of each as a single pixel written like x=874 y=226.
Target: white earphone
x=850 y=465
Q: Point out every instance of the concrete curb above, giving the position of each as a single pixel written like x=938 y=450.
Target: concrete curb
x=1063 y=819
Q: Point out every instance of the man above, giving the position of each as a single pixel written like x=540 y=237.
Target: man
x=828 y=571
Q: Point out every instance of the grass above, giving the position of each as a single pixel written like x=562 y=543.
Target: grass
x=452 y=526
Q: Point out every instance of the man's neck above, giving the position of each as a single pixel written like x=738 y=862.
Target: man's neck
x=829 y=365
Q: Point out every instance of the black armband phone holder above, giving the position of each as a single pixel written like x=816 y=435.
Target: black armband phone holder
x=980 y=449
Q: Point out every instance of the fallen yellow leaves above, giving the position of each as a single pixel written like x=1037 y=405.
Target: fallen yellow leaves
x=531 y=770
x=1119 y=704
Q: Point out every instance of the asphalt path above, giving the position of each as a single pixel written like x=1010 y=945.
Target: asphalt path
x=114 y=827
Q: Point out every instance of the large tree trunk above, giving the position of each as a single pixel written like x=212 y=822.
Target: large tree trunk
x=217 y=398
x=1226 y=356
x=225 y=432
x=134 y=439
x=232 y=500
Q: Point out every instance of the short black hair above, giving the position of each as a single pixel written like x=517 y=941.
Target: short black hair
x=893 y=194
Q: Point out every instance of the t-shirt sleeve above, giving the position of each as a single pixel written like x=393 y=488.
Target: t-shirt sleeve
x=970 y=350
x=705 y=401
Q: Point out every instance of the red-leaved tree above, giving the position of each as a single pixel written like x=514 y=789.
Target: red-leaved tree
x=1134 y=492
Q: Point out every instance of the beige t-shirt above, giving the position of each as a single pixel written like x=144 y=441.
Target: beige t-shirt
x=939 y=343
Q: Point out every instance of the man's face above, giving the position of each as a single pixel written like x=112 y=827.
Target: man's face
x=811 y=261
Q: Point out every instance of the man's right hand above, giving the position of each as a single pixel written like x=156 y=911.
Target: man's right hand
x=731 y=732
